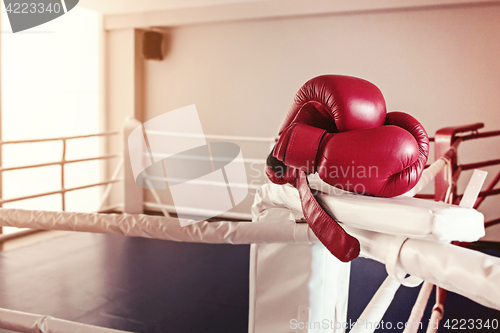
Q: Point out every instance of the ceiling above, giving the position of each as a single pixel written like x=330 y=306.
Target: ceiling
x=135 y=6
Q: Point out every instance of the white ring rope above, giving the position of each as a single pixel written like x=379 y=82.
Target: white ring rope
x=394 y=269
x=382 y=299
x=23 y=322
x=160 y=227
x=413 y=257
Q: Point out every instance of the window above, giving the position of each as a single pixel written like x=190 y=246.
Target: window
x=50 y=77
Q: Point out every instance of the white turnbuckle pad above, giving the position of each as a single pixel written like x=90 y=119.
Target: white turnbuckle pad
x=404 y=216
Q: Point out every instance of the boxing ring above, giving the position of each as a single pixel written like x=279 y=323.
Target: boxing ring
x=421 y=247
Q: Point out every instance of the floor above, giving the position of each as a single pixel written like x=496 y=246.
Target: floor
x=132 y=284
x=25 y=240
x=145 y=285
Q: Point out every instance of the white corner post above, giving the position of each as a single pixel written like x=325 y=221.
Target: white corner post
x=133 y=194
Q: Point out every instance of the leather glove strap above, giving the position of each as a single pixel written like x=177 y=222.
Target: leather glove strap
x=342 y=245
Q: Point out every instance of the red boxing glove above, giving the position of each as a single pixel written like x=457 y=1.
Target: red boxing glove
x=338 y=127
x=279 y=173
x=384 y=161
x=333 y=103
x=337 y=103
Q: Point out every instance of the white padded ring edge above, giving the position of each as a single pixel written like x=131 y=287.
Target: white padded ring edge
x=392 y=267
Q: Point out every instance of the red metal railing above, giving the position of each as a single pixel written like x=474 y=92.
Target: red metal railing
x=446 y=142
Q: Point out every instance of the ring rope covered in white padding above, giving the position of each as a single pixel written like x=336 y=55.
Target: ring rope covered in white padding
x=159 y=227
x=23 y=322
x=423 y=255
x=469 y=273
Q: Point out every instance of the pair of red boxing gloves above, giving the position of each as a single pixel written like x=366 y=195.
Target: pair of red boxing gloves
x=338 y=127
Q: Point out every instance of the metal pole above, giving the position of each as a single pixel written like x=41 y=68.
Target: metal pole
x=63 y=187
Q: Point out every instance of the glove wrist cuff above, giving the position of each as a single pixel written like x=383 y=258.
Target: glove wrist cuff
x=302 y=147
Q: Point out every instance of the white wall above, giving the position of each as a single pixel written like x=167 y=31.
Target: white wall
x=123 y=85
x=441 y=65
